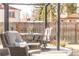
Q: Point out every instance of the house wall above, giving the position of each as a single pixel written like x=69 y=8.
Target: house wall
x=17 y=16
x=12 y=21
x=1 y=15
x=16 y=19
x=1 y=20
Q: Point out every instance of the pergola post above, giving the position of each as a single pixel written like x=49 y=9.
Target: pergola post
x=46 y=15
x=6 y=16
x=58 y=26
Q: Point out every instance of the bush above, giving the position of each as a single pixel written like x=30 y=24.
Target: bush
x=62 y=43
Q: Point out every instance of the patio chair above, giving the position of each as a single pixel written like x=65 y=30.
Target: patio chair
x=16 y=49
x=4 y=52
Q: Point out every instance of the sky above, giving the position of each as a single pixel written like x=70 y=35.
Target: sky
x=25 y=9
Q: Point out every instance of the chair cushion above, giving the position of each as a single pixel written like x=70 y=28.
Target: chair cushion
x=12 y=36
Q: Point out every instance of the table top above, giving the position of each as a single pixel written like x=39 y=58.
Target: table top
x=31 y=33
x=33 y=43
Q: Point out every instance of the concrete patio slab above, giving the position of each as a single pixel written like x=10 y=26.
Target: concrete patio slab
x=52 y=51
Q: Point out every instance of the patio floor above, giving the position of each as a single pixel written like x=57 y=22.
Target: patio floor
x=51 y=51
x=75 y=49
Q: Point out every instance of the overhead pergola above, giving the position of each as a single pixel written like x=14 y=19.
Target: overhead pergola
x=6 y=18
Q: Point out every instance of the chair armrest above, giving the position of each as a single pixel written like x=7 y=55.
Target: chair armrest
x=34 y=51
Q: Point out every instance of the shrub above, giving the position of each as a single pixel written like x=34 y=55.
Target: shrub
x=62 y=43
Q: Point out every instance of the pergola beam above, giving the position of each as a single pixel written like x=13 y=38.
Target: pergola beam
x=46 y=15
x=26 y=3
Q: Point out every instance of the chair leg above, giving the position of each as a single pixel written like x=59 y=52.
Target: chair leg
x=44 y=44
x=29 y=54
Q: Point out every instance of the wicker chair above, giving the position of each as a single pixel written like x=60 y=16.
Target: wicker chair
x=8 y=39
x=4 y=52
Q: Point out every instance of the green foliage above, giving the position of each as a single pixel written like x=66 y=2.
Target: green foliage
x=41 y=11
x=63 y=43
x=70 y=8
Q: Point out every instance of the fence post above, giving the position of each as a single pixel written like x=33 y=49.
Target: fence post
x=76 y=33
x=46 y=15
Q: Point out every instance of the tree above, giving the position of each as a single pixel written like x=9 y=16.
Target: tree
x=68 y=8
x=50 y=12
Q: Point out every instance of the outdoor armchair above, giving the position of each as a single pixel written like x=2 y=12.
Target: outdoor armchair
x=14 y=50
x=16 y=45
x=4 y=52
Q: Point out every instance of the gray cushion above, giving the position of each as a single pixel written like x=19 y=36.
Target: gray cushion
x=12 y=36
